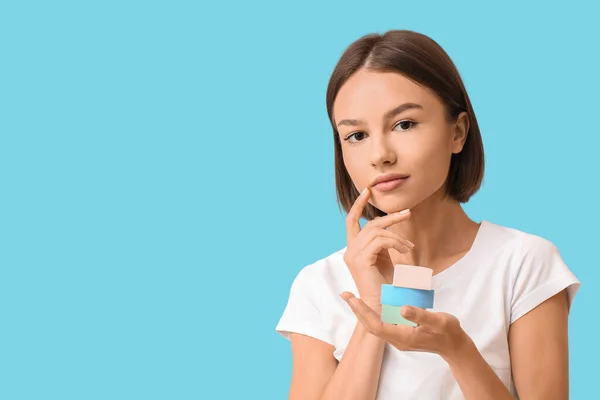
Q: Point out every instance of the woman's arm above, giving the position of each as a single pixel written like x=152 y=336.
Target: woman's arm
x=539 y=351
x=539 y=356
x=316 y=374
x=477 y=380
x=313 y=365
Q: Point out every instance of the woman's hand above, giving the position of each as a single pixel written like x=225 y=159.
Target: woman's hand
x=437 y=332
x=367 y=255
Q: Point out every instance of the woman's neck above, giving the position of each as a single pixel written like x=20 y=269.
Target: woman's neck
x=441 y=231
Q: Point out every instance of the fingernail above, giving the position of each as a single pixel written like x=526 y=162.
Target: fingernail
x=408 y=311
x=404 y=211
x=411 y=245
x=365 y=190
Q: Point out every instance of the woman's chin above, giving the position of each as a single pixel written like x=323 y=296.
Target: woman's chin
x=390 y=208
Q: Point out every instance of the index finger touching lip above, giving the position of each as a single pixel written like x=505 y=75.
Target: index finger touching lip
x=353 y=218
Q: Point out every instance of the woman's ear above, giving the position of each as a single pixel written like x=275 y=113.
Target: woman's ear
x=460 y=132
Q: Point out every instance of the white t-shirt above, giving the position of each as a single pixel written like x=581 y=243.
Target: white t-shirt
x=504 y=275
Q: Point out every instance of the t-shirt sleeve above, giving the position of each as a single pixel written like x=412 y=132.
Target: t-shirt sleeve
x=541 y=274
x=302 y=313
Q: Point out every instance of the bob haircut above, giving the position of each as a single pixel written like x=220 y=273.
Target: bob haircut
x=422 y=60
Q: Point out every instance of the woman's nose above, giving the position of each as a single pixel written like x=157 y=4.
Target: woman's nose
x=381 y=151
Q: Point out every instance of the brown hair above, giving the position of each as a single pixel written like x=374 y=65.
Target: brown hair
x=421 y=59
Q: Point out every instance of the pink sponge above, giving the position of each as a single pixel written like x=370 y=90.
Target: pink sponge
x=412 y=276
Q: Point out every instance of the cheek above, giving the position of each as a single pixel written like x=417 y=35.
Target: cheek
x=352 y=160
x=354 y=170
x=431 y=165
x=433 y=152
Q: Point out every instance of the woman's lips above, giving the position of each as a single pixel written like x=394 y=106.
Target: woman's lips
x=389 y=185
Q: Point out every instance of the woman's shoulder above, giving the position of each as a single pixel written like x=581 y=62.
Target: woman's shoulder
x=519 y=241
x=330 y=267
x=536 y=270
x=531 y=260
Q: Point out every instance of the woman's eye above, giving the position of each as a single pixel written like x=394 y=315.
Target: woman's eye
x=406 y=124
x=356 y=135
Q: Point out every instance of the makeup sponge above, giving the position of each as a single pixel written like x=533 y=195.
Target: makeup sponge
x=412 y=276
x=411 y=286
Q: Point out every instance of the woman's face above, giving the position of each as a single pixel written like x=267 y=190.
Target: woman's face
x=415 y=140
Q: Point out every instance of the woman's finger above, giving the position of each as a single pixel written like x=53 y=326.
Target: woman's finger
x=365 y=314
x=370 y=319
x=390 y=219
x=373 y=233
x=436 y=322
x=355 y=213
x=381 y=243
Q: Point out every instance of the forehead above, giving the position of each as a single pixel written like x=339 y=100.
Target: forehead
x=370 y=93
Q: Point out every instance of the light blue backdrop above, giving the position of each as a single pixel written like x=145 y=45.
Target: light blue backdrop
x=166 y=169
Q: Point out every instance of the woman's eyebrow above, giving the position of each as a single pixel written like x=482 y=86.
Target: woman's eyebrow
x=389 y=114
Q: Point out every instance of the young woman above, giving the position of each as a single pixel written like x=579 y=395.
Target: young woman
x=408 y=152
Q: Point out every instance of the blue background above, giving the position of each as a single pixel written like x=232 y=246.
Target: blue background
x=162 y=163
